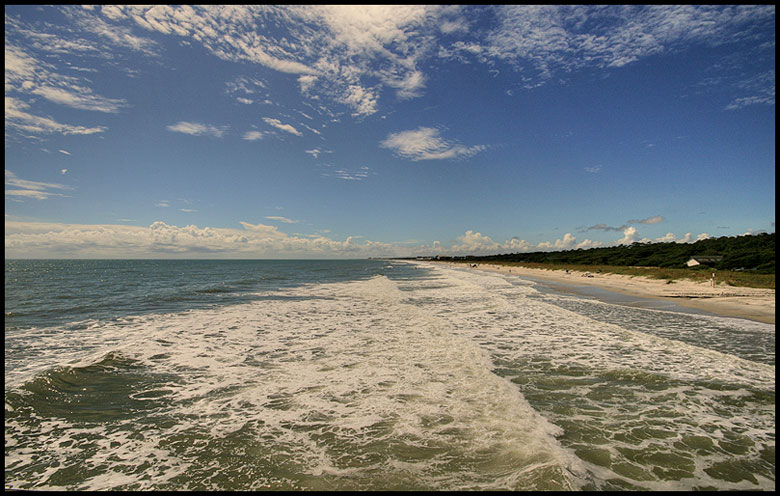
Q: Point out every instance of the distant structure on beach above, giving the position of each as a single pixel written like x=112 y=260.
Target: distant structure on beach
x=703 y=260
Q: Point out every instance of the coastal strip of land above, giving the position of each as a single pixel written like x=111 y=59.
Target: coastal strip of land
x=732 y=301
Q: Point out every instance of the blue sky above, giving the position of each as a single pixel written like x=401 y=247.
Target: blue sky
x=326 y=131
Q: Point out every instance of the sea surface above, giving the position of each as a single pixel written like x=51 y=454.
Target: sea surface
x=369 y=375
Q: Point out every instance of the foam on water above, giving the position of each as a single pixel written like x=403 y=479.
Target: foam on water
x=462 y=380
x=632 y=403
x=343 y=386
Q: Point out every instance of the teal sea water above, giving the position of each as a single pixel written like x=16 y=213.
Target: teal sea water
x=369 y=375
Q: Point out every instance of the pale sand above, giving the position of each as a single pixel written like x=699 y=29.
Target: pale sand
x=748 y=303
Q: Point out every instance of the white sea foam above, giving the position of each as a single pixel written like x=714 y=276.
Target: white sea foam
x=377 y=384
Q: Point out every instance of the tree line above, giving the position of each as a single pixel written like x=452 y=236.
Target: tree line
x=749 y=252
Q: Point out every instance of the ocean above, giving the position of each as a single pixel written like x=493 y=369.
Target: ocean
x=370 y=375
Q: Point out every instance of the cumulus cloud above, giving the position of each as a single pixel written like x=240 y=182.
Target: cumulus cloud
x=476 y=243
x=630 y=235
x=425 y=143
x=161 y=240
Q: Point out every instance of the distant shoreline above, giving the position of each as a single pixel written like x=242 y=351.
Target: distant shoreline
x=749 y=303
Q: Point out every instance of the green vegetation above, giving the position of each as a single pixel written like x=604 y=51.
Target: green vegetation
x=747 y=260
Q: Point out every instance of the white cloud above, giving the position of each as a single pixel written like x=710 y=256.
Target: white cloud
x=631 y=235
x=161 y=240
x=557 y=39
x=345 y=53
x=667 y=238
x=672 y=238
x=657 y=219
x=16 y=117
x=65 y=152
x=31 y=189
x=363 y=100
x=79 y=97
x=120 y=36
x=284 y=127
x=196 y=129
x=28 y=193
x=425 y=143
x=476 y=243
x=253 y=135
x=282 y=219
x=306 y=81
x=27 y=77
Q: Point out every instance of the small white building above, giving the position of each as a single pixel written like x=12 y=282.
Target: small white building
x=703 y=260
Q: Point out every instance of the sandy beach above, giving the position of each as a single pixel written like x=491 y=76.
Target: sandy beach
x=749 y=303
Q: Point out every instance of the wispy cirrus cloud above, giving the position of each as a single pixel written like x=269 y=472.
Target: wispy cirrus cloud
x=253 y=135
x=656 y=219
x=353 y=54
x=347 y=175
x=120 y=36
x=17 y=117
x=282 y=219
x=345 y=53
x=549 y=41
x=78 y=97
x=282 y=127
x=30 y=76
x=30 y=189
x=426 y=143
x=760 y=90
x=197 y=129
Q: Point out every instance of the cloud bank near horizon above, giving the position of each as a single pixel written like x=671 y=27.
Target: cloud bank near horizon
x=161 y=240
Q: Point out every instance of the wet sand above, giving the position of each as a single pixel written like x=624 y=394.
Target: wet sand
x=731 y=301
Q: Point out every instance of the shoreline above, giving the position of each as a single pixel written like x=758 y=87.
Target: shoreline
x=756 y=304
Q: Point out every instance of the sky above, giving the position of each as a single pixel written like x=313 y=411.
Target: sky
x=353 y=131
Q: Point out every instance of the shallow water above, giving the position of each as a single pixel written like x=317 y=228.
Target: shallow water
x=369 y=375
